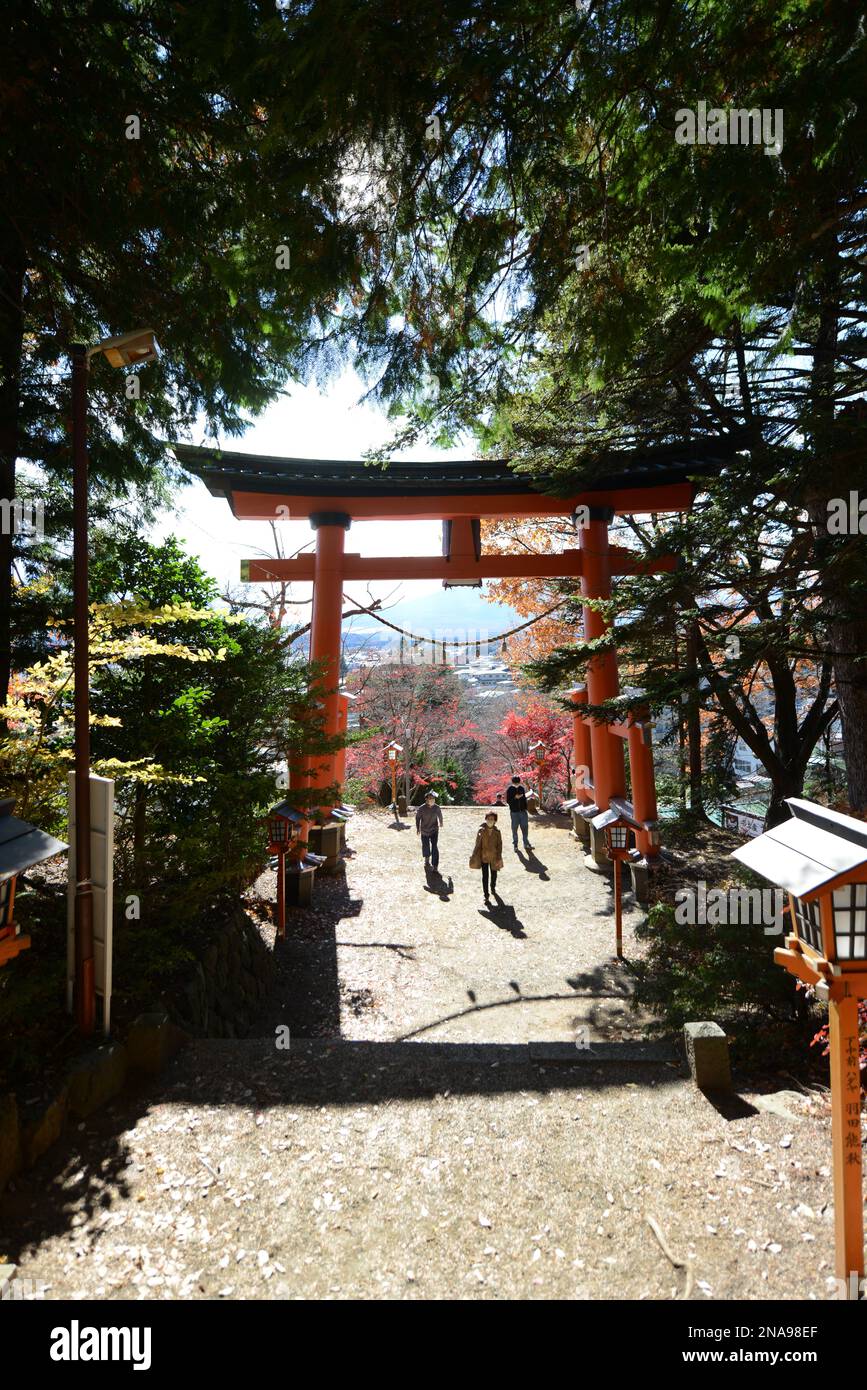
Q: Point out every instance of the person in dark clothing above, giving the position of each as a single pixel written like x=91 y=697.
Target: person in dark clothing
x=428 y=819
x=516 y=796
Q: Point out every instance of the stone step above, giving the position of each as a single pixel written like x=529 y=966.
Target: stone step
x=459 y=1054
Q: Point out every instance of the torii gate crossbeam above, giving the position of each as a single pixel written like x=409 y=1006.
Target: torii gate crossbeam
x=332 y=494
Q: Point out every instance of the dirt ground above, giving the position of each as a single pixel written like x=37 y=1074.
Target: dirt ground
x=395 y=952
x=377 y=1170
x=428 y=1130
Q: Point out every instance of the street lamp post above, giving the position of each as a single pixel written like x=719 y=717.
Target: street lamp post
x=123 y=351
x=819 y=857
x=393 y=750
x=406 y=770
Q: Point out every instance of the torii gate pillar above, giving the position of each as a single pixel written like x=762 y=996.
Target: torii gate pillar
x=343 y=700
x=325 y=632
x=640 y=741
x=609 y=773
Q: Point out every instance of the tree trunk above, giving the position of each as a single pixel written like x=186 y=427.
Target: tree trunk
x=849 y=641
x=681 y=727
x=11 y=340
x=139 y=836
x=837 y=442
x=789 y=784
x=693 y=723
x=785 y=764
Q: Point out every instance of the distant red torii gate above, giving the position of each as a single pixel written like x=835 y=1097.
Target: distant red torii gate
x=331 y=495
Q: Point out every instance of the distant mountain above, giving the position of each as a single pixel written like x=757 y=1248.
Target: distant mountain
x=449 y=610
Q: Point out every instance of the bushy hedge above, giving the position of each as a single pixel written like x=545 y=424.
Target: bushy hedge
x=724 y=974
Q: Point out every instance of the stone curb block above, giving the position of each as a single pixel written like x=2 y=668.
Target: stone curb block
x=96 y=1078
x=152 y=1041
x=44 y=1127
x=707 y=1052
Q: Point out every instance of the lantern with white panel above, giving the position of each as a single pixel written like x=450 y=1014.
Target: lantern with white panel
x=22 y=846
x=284 y=825
x=617 y=832
x=819 y=857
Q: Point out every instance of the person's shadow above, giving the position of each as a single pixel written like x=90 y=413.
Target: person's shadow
x=435 y=883
x=534 y=865
x=504 y=916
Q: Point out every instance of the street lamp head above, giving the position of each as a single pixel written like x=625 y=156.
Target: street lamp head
x=128 y=349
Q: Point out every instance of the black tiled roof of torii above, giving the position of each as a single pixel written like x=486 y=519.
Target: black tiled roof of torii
x=224 y=471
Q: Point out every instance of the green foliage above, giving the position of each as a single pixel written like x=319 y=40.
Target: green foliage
x=176 y=225
x=218 y=728
x=450 y=780
x=191 y=711
x=724 y=973
x=357 y=791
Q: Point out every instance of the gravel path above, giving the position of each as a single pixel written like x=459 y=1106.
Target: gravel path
x=359 y=1171
x=456 y=1164
x=392 y=952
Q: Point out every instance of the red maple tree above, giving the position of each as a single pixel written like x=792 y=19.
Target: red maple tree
x=507 y=751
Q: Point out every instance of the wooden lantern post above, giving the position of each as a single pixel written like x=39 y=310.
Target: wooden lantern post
x=22 y=846
x=393 y=752
x=283 y=822
x=126 y=350
x=820 y=858
x=617 y=844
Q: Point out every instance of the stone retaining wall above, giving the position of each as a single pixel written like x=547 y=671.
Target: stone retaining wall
x=230 y=983
x=225 y=996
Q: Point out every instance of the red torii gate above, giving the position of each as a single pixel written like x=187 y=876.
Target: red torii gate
x=331 y=495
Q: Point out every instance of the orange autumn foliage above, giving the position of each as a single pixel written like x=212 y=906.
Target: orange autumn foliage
x=530 y=597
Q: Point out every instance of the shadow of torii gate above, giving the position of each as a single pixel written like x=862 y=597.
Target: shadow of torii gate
x=332 y=494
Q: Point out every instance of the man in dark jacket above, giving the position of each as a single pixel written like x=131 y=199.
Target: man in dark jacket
x=516 y=796
x=428 y=819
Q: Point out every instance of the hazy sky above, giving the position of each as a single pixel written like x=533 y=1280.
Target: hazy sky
x=305 y=424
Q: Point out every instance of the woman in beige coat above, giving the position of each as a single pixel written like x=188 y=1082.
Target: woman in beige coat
x=488 y=853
